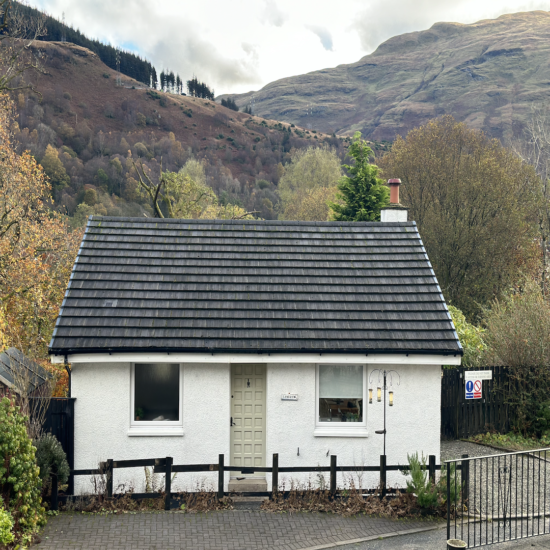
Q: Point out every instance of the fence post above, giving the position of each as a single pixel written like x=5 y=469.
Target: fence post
x=449 y=501
x=431 y=468
x=275 y=476
x=109 y=473
x=55 y=504
x=465 y=478
x=221 y=460
x=332 y=475
x=382 y=476
x=168 y=482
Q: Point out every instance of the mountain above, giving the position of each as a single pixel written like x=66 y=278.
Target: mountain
x=487 y=74
x=96 y=123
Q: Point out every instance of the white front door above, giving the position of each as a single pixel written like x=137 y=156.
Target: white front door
x=247 y=417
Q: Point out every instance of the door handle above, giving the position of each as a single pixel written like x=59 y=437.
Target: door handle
x=231 y=423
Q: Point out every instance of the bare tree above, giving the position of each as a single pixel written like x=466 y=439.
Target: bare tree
x=534 y=149
x=17 y=36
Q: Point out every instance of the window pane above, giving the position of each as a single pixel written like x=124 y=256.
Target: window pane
x=340 y=393
x=157 y=391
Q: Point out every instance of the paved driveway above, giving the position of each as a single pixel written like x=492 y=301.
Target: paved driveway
x=231 y=530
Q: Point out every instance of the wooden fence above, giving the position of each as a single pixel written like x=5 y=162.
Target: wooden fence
x=167 y=467
x=461 y=417
x=59 y=420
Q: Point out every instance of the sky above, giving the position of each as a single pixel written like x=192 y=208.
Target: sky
x=242 y=45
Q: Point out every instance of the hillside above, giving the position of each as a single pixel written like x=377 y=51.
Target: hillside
x=131 y=65
x=97 y=127
x=487 y=74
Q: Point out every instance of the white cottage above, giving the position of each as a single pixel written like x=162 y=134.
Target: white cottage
x=191 y=338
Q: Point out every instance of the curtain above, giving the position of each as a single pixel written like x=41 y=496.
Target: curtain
x=341 y=381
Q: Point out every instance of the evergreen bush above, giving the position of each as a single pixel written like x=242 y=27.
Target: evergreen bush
x=429 y=495
x=6 y=527
x=50 y=455
x=420 y=483
x=20 y=484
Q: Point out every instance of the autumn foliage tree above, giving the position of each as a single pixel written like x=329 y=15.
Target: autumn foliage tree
x=37 y=250
x=475 y=204
x=308 y=183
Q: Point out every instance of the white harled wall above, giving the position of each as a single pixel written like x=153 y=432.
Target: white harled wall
x=102 y=416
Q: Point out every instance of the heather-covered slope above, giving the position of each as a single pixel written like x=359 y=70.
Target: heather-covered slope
x=87 y=128
x=487 y=74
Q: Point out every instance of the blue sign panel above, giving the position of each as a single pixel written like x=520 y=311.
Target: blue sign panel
x=469 y=389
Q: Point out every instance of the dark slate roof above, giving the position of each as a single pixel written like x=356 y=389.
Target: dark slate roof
x=252 y=286
x=17 y=370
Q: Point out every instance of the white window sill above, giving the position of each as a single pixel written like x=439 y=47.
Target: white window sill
x=341 y=432
x=155 y=432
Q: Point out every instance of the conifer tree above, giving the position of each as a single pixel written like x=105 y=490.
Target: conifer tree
x=364 y=193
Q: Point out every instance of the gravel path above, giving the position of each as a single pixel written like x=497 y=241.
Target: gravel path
x=451 y=450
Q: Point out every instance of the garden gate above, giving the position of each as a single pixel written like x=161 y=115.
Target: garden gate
x=498 y=498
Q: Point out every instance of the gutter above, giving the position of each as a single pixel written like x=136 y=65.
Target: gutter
x=153 y=356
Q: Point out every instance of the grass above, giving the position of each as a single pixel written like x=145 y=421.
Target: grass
x=511 y=441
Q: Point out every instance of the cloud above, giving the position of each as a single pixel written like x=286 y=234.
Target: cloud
x=273 y=15
x=386 y=18
x=176 y=43
x=324 y=36
x=234 y=50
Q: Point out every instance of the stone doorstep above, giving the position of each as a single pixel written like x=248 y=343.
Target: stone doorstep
x=248 y=499
x=248 y=485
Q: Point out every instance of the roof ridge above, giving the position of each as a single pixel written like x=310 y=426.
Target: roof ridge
x=247 y=222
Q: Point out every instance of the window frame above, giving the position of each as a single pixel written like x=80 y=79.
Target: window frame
x=149 y=427
x=340 y=429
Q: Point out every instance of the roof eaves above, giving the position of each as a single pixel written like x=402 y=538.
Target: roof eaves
x=320 y=351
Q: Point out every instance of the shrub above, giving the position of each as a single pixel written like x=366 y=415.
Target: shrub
x=420 y=484
x=20 y=484
x=429 y=495
x=141 y=119
x=518 y=336
x=6 y=526
x=50 y=454
x=153 y=94
x=471 y=339
x=106 y=75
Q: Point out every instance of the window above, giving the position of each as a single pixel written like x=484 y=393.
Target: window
x=340 y=400
x=156 y=399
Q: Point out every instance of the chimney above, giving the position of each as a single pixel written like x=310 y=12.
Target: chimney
x=394 y=212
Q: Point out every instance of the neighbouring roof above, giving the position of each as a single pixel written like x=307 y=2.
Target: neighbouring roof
x=252 y=286
x=19 y=372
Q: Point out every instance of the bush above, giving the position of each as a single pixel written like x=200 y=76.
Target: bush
x=518 y=336
x=141 y=119
x=430 y=496
x=420 y=484
x=20 y=484
x=470 y=337
x=50 y=454
x=6 y=526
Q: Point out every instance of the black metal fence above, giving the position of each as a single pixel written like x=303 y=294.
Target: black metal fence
x=498 y=498
x=461 y=417
x=167 y=467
